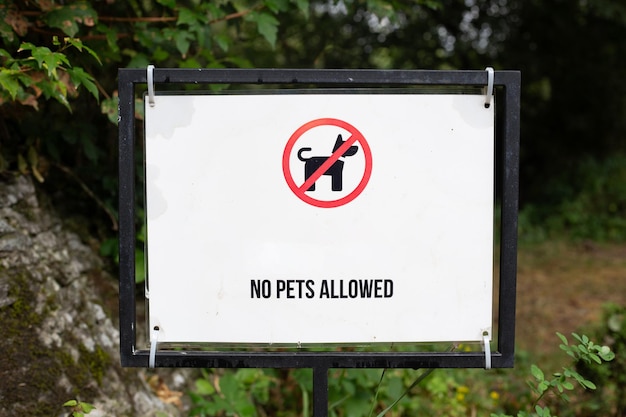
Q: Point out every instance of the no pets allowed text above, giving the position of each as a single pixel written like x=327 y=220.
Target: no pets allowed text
x=326 y=288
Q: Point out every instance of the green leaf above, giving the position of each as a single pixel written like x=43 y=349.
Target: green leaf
x=22 y=166
x=142 y=233
x=245 y=407
x=109 y=108
x=563 y=338
x=138 y=61
x=9 y=83
x=229 y=386
x=267 y=25
x=277 y=5
x=223 y=41
x=614 y=323
x=70 y=403
x=356 y=406
x=542 y=412
x=191 y=62
x=33 y=161
x=80 y=77
x=78 y=44
x=204 y=387
x=160 y=54
x=431 y=4
x=188 y=17
x=109 y=248
x=606 y=353
x=167 y=3
x=577 y=337
x=56 y=90
x=182 y=40
x=303 y=6
x=68 y=17
x=304 y=378
x=62 y=18
x=240 y=62
x=6 y=32
x=140 y=267
x=588 y=384
x=45 y=58
x=537 y=373
x=111 y=37
x=87 y=408
x=92 y=152
x=52 y=61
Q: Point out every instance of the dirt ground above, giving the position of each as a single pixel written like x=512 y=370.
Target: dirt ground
x=562 y=288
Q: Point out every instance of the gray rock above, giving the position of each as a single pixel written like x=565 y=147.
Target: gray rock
x=59 y=341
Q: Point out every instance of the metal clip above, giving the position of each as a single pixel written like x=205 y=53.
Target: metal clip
x=487 y=350
x=154 y=341
x=150 y=80
x=489 y=91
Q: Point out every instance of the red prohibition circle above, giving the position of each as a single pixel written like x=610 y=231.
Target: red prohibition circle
x=356 y=136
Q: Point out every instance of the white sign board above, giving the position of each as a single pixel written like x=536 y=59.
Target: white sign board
x=320 y=218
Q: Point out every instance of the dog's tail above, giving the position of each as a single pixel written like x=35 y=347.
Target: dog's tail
x=300 y=157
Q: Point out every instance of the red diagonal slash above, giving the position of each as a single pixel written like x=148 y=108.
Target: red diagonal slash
x=328 y=163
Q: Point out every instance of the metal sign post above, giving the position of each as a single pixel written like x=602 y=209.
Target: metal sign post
x=315 y=216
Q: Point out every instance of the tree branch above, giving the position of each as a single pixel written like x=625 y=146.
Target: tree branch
x=90 y=193
x=148 y=19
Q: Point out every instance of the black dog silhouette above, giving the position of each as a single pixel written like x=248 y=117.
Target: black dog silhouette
x=335 y=171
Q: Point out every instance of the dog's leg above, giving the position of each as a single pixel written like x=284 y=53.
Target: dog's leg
x=336 y=171
x=309 y=168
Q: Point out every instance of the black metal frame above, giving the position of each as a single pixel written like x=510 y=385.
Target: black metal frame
x=507 y=138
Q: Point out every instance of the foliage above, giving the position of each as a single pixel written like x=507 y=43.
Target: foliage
x=611 y=379
x=237 y=392
x=60 y=59
x=582 y=351
x=593 y=206
x=55 y=52
x=598 y=211
x=41 y=71
x=396 y=392
x=78 y=408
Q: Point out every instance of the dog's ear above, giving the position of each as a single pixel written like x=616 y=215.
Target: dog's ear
x=351 y=151
x=338 y=142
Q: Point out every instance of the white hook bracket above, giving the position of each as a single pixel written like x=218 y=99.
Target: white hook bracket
x=489 y=91
x=150 y=80
x=154 y=341
x=487 y=350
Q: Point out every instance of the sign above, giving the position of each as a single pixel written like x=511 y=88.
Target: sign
x=320 y=218
x=332 y=165
x=236 y=256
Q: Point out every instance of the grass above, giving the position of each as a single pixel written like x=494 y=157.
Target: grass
x=562 y=287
